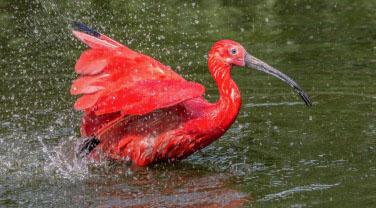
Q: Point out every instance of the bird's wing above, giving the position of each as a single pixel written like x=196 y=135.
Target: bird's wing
x=136 y=98
x=145 y=96
x=108 y=64
x=110 y=70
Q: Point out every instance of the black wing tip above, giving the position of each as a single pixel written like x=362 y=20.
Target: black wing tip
x=86 y=29
x=88 y=146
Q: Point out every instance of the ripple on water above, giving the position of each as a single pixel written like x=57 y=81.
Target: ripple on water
x=250 y=105
x=298 y=189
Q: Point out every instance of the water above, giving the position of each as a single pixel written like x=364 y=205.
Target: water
x=278 y=153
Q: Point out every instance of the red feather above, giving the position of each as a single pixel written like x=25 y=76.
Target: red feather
x=145 y=96
x=92 y=41
x=93 y=61
x=106 y=67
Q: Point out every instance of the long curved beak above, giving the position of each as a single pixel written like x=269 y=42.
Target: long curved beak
x=253 y=62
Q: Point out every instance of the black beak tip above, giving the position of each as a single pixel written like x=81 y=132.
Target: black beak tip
x=307 y=101
x=304 y=96
x=255 y=63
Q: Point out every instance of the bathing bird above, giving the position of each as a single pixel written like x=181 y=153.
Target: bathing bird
x=137 y=109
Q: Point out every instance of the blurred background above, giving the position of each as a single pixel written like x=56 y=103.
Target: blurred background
x=279 y=153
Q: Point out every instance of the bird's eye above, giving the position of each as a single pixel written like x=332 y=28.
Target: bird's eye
x=234 y=51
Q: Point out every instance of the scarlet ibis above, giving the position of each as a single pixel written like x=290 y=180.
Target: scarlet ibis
x=136 y=108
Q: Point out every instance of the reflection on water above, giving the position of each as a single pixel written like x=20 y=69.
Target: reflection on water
x=177 y=186
x=119 y=183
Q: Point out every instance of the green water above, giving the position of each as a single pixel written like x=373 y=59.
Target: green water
x=279 y=153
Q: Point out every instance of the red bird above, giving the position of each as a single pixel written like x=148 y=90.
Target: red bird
x=136 y=108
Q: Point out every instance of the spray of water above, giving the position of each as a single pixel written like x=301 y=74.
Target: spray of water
x=62 y=160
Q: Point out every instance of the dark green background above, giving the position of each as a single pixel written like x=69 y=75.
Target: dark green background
x=279 y=153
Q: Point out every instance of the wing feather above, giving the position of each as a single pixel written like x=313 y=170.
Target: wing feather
x=104 y=69
x=93 y=41
x=116 y=81
x=145 y=96
x=93 y=61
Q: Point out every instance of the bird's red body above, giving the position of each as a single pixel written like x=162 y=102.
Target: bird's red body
x=144 y=111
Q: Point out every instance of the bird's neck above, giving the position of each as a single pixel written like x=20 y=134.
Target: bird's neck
x=228 y=106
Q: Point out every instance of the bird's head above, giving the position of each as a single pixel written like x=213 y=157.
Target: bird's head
x=230 y=53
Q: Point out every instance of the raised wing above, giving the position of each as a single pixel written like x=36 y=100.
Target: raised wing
x=118 y=85
x=108 y=65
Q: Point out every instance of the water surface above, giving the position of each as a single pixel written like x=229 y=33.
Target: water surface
x=279 y=153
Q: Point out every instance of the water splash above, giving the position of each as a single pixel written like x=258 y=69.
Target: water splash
x=62 y=160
